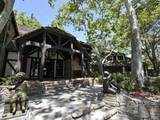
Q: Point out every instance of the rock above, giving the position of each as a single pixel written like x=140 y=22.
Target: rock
x=68 y=118
x=81 y=112
x=110 y=114
x=77 y=114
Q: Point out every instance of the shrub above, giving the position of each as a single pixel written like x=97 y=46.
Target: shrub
x=5 y=81
x=155 y=85
x=123 y=80
x=98 y=79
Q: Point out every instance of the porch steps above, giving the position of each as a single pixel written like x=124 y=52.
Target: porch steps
x=48 y=85
x=38 y=88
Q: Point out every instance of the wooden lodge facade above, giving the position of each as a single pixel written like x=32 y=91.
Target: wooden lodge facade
x=48 y=53
x=9 y=32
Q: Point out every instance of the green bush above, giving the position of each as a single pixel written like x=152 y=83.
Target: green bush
x=5 y=80
x=123 y=80
x=155 y=85
x=98 y=79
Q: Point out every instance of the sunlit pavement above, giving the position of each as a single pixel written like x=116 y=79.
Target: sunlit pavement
x=69 y=103
x=62 y=103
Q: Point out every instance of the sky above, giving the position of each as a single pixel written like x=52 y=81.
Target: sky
x=45 y=14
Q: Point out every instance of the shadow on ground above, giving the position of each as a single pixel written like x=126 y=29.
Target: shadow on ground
x=62 y=100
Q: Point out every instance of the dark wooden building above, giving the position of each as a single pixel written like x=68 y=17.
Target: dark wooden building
x=49 y=53
x=9 y=32
x=117 y=62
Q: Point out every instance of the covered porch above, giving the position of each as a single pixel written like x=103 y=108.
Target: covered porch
x=49 y=53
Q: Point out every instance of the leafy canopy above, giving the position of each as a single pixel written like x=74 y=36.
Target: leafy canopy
x=106 y=22
x=23 y=20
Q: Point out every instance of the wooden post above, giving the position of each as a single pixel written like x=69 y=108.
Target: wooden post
x=82 y=63
x=19 y=61
x=124 y=63
x=43 y=51
x=3 y=60
x=55 y=63
x=38 y=55
x=71 y=71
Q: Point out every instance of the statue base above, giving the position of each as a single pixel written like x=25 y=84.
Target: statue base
x=18 y=116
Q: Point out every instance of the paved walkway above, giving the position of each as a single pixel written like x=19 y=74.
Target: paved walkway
x=64 y=103
x=78 y=103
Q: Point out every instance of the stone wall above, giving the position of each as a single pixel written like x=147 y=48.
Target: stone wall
x=39 y=88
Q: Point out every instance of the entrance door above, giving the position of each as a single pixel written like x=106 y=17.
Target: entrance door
x=54 y=68
x=59 y=69
x=50 y=65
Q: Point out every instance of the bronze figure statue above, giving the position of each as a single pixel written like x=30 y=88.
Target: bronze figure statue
x=18 y=98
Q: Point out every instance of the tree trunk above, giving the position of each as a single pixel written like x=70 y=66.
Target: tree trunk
x=4 y=16
x=137 y=72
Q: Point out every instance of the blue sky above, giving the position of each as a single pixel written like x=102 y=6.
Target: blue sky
x=44 y=13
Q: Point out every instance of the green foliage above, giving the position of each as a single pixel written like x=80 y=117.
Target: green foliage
x=98 y=79
x=124 y=81
x=10 y=80
x=23 y=20
x=106 y=22
x=154 y=85
x=5 y=81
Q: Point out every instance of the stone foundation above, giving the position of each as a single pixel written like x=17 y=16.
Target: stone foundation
x=39 y=88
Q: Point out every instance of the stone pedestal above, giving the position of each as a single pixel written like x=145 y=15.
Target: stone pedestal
x=18 y=116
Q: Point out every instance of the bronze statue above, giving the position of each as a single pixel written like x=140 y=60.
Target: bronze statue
x=17 y=98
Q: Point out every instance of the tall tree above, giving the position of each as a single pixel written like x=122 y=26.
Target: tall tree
x=136 y=46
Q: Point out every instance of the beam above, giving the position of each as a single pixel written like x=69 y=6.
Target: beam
x=48 y=46
x=37 y=44
x=32 y=51
x=50 y=37
x=11 y=66
x=21 y=40
x=65 y=43
x=19 y=53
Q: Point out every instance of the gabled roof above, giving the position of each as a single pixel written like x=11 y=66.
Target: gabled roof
x=30 y=34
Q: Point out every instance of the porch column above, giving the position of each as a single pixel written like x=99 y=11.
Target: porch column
x=71 y=71
x=43 y=52
x=19 y=59
x=82 y=63
x=3 y=59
